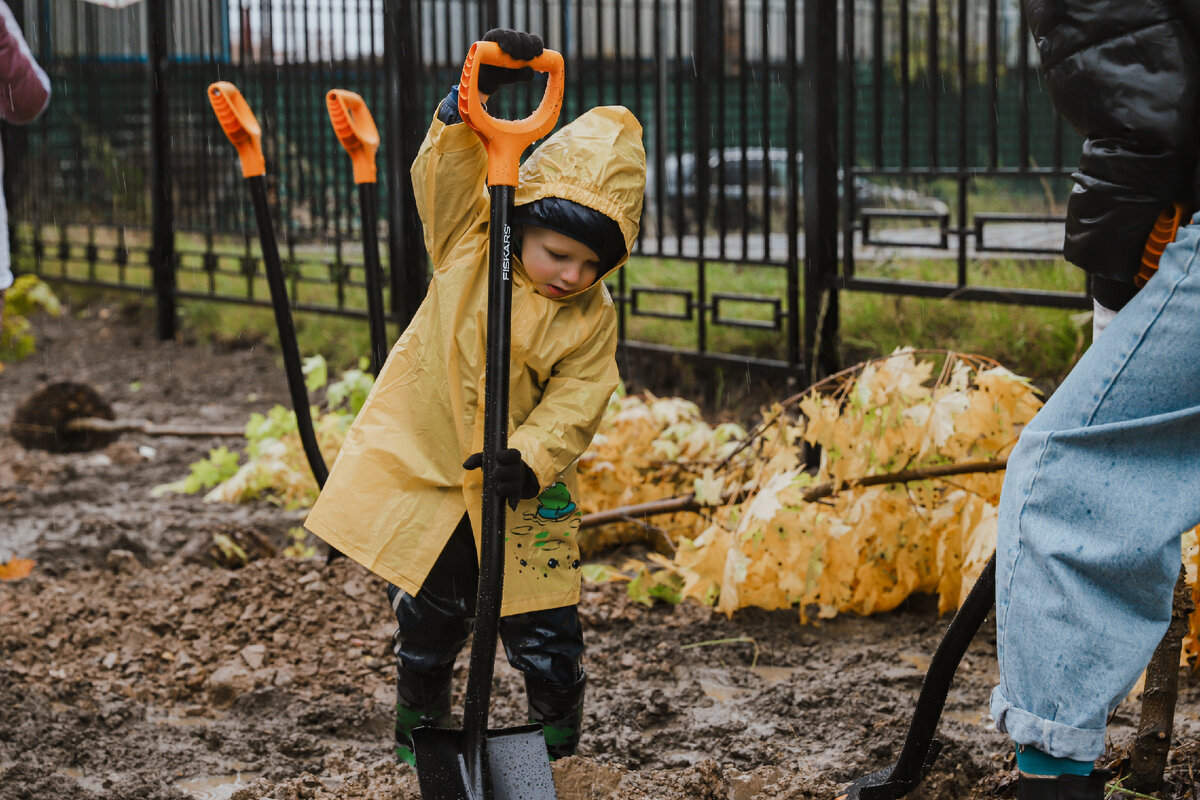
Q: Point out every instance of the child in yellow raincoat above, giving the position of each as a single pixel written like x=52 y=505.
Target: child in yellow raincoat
x=403 y=497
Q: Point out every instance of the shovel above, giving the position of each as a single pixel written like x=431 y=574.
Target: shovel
x=241 y=126
x=355 y=129
x=475 y=763
x=920 y=749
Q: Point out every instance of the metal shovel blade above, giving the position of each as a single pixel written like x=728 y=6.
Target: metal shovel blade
x=880 y=784
x=920 y=748
x=517 y=761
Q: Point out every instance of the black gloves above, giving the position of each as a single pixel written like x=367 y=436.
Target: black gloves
x=518 y=44
x=514 y=479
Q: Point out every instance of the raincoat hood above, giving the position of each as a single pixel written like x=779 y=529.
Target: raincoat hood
x=583 y=224
x=597 y=161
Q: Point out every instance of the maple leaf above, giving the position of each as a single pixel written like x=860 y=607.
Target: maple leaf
x=938 y=418
x=736 y=563
x=766 y=504
x=709 y=490
x=16 y=568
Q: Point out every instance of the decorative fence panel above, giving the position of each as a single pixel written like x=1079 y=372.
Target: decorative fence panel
x=792 y=149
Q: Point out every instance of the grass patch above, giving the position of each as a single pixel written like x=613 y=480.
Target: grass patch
x=1040 y=343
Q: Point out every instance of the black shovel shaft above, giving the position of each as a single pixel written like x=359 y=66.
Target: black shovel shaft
x=287 y=330
x=495 y=439
x=368 y=204
x=936 y=687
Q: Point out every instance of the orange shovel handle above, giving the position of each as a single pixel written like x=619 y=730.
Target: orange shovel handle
x=355 y=129
x=240 y=125
x=505 y=139
x=1161 y=235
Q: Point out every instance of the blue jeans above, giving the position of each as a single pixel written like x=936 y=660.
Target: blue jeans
x=1098 y=490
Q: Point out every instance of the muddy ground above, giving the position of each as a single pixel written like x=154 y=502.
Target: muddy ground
x=131 y=667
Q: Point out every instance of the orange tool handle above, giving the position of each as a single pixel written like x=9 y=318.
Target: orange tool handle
x=505 y=139
x=240 y=125
x=1161 y=235
x=355 y=129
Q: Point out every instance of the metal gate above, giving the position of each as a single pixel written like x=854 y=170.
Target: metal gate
x=807 y=142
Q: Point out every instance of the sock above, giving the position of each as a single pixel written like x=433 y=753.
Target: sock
x=1032 y=761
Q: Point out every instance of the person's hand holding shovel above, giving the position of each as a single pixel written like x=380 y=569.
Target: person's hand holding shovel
x=518 y=44
x=515 y=481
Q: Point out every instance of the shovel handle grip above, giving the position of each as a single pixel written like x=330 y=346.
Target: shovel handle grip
x=355 y=129
x=505 y=139
x=240 y=125
x=1161 y=235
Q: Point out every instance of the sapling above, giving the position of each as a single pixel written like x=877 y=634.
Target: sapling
x=27 y=296
x=274 y=467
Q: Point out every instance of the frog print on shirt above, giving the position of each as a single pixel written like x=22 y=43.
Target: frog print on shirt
x=543 y=539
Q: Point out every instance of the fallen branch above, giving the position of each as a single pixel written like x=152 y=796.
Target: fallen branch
x=72 y=417
x=101 y=425
x=151 y=428
x=687 y=502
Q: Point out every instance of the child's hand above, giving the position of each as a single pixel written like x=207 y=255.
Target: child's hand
x=518 y=44
x=514 y=480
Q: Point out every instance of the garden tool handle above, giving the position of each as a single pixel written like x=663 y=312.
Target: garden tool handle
x=355 y=129
x=1161 y=235
x=505 y=139
x=240 y=125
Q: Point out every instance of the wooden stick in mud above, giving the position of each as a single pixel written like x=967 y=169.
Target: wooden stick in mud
x=72 y=417
x=1149 y=757
x=687 y=502
x=101 y=425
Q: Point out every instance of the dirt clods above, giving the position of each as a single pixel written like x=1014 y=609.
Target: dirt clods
x=136 y=663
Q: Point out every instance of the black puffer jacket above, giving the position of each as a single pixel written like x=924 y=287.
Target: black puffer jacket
x=1126 y=75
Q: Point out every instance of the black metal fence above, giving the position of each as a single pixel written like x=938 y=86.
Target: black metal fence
x=802 y=141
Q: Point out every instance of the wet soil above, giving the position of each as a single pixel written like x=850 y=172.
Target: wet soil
x=133 y=667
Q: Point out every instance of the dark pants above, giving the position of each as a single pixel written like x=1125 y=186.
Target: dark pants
x=434 y=625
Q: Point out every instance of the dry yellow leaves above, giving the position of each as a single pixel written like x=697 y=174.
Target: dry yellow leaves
x=16 y=568
x=649 y=448
x=864 y=549
x=1191 y=562
x=282 y=467
x=861 y=550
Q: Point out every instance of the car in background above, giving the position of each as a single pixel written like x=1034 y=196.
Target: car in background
x=748 y=189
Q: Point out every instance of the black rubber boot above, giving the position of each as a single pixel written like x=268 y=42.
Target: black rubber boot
x=420 y=700
x=1064 y=787
x=559 y=710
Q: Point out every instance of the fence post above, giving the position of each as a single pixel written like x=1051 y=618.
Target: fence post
x=820 y=189
x=796 y=325
x=706 y=33
x=403 y=132
x=162 y=252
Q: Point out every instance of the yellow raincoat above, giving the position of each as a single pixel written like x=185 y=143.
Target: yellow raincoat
x=398 y=489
